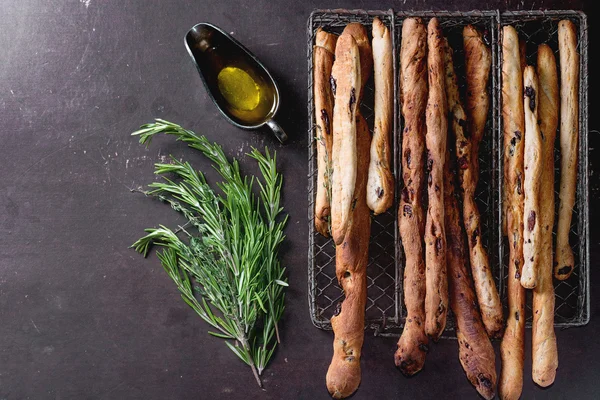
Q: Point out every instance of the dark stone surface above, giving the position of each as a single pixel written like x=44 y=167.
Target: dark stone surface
x=82 y=316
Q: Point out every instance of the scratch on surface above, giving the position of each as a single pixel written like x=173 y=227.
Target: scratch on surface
x=35 y=326
x=274 y=44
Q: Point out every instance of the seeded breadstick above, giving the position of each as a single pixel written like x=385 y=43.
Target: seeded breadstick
x=564 y=261
x=323 y=53
x=412 y=346
x=478 y=61
x=533 y=173
x=347 y=80
x=511 y=348
x=380 y=186
x=436 y=294
x=543 y=342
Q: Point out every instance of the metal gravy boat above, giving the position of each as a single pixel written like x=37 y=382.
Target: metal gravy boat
x=239 y=85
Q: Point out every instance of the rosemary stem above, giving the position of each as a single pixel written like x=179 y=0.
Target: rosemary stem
x=277 y=332
x=247 y=349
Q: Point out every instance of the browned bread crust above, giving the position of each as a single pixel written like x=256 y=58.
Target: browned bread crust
x=477 y=64
x=543 y=343
x=475 y=350
x=323 y=54
x=412 y=346
x=436 y=294
x=533 y=174
x=359 y=33
x=351 y=258
x=347 y=81
x=380 y=186
x=564 y=261
x=511 y=349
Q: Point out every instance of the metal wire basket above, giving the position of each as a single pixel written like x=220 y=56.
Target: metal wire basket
x=572 y=295
x=385 y=310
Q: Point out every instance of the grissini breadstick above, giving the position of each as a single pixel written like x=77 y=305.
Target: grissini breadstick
x=569 y=131
x=478 y=61
x=523 y=54
x=351 y=259
x=475 y=350
x=380 y=186
x=413 y=344
x=436 y=293
x=359 y=33
x=533 y=172
x=511 y=348
x=347 y=80
x=323 y=53
x=543 y=342
x=523 y=63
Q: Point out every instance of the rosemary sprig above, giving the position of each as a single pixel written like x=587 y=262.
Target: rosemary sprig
x=228 y=271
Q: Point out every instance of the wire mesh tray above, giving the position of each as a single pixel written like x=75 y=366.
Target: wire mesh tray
x=385 y=311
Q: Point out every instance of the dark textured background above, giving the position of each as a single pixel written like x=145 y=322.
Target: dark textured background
x=81 y=315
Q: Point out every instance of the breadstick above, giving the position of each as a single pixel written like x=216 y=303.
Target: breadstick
x=511 y=347
x=478 y=61
x=323 y=53
x=543 y=342
x=523 y=64
x=351 y=259
x=569 y=131
x=347 y=80
x=412 y=346
x=533 y=172
x=380 y=186
x=475 y=350
x=523 y=54
x=436 y=294
x=359 y=33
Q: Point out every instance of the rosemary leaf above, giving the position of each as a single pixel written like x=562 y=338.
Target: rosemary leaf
x=227 y=269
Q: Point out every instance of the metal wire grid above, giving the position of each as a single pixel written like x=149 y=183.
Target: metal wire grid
x=385 y=311
x=572 y=295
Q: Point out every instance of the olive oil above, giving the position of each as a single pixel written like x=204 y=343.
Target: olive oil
x=247 y=96
x=239 y=85
x=238 y=88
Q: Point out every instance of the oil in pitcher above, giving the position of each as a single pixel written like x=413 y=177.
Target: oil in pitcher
x=239 y=85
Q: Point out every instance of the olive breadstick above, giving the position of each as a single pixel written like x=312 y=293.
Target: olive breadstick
x=436 y=294
x=380 y=186
x=523 y=64
x=511 y=348
x=543 y=342
x=533 y=173
x=323 y=53
x=359 y=33
x=478 y=61
x=413 y=344
x=475 y=350
x=523 y=54
x=347 y=80
x=569 y=131
x=351 y=259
